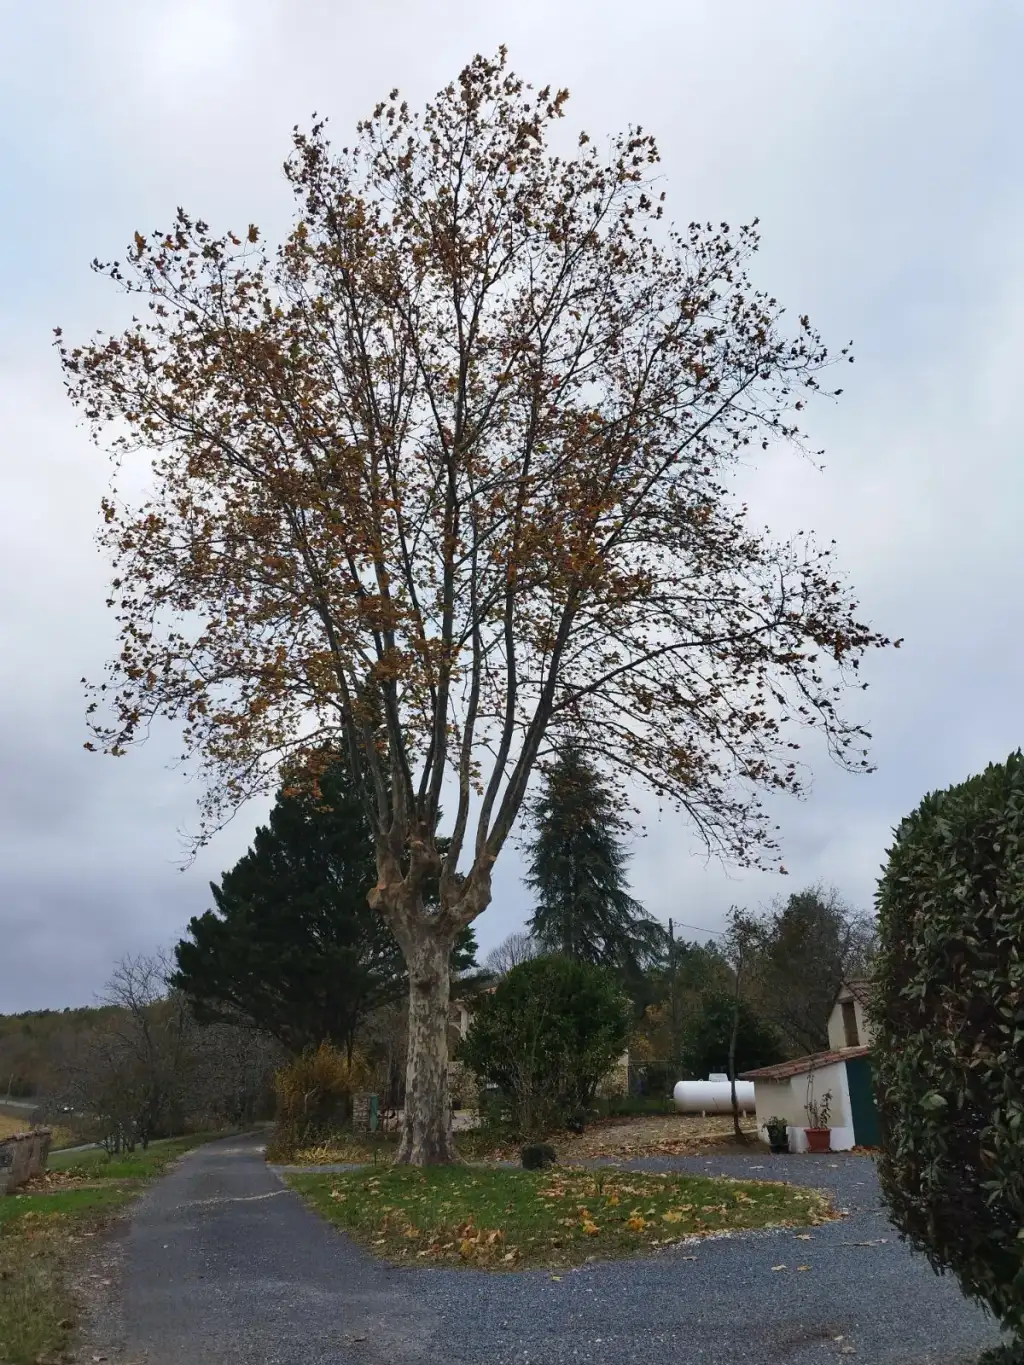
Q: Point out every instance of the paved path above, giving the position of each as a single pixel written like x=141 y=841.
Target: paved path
x=223 y=1265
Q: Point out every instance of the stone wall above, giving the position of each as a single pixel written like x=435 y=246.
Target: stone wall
x=22 y=1156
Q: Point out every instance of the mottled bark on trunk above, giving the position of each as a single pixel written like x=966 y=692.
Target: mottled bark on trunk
x=426 y=1138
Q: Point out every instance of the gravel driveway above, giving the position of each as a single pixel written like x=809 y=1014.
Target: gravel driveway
x=223 y=1265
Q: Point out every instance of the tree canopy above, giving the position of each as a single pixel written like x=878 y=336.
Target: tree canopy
x=444 y=475
x=708 y=1033
x=808 y=946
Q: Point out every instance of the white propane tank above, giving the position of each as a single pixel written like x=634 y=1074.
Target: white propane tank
x=712 y=1097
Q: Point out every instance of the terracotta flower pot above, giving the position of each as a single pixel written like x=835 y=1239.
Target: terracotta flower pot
x=818 y=1139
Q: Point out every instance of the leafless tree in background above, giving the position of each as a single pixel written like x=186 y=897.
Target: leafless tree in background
x=147 y=1069
x=517 y=948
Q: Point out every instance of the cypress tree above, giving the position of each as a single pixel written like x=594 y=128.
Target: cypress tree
x=577 y=864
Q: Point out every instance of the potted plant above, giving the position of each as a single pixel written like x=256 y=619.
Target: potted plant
x=778 y=1134
x=818 y=1133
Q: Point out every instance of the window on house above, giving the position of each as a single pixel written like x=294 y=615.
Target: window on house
x=850 y=1024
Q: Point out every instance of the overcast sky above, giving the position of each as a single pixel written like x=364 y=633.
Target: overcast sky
x=879 y=143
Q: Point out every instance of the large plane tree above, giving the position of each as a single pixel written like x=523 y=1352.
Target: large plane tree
x=442 y=478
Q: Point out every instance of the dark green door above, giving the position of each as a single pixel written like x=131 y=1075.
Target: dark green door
x=862 y=1102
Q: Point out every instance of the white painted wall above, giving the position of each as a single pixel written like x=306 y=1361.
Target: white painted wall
x=787 y=1100
x=836 y=1030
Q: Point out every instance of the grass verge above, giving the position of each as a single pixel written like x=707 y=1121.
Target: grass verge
x=504 y=1219
x=46 y=1226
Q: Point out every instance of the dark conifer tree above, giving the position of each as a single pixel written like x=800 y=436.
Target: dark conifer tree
x=577 y=864
x=292 y=944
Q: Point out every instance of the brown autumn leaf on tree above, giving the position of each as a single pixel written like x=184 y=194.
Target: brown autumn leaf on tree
x=442 y=479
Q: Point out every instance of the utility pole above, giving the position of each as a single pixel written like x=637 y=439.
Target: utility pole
x=673 y=1003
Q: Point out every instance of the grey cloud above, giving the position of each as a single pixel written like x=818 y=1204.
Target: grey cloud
x=877 y=143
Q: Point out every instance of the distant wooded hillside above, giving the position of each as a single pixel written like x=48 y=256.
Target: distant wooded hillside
x=32 y=1043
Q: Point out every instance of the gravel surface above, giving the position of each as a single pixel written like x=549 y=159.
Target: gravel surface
x=223 y=1265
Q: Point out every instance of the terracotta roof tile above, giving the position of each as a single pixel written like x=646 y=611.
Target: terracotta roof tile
x=782 y=1071
x=859 y=986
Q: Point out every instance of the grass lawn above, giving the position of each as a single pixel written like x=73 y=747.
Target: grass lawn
x=42 y=1231
x=504 y=1219
x=95 y=1164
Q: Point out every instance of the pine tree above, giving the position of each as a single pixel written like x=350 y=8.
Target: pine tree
x=577 y=868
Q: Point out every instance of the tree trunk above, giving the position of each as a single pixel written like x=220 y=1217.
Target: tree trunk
x=733 y=1036
x=427 y=1123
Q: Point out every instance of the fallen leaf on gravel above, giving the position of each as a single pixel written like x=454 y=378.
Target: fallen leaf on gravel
x=778 y=1267
x=803 y=1267
x=803 y=1236
x=556 y=1277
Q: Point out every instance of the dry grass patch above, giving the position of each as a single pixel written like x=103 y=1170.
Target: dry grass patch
x=61 y=1137
x=651 y=1135
x=500 y=1219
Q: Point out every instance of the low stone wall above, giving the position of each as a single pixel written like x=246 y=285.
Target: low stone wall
x=22 y=1156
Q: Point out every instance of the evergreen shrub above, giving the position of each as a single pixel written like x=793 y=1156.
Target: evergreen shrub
x=948 y=1047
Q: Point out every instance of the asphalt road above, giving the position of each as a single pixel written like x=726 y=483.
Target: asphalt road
x=224 y=1265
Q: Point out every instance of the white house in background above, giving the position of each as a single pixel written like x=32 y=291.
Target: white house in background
x=783 y=1091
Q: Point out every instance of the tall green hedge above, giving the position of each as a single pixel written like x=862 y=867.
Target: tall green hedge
x=949 y=1034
